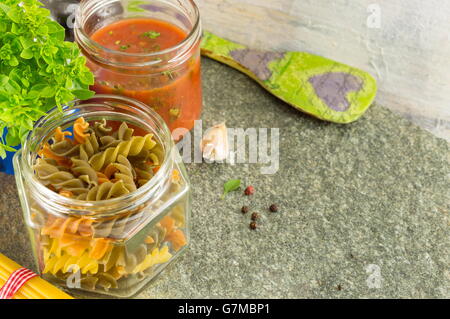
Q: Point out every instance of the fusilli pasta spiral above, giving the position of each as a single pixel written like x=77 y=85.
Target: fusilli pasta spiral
x=80 y=130
x=85 y=172
x=90 y=147
x=101 y=129
x=66 y=263
x=131 y=147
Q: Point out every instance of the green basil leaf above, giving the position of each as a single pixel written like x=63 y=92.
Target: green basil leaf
x=27 y=54
x=26 y=42
x=87 y=78
x=25 y=82
x=48 y=91
x=9 y=148
x=3 y=26
x=53 y=27
x=14 y=14
x=12 y=139
x=83 y=94
x=38 y=87
x=230 y=186
x=13 y=85
x=3 y=79
x=2 y=151
x=15 y=29
x=13 y=61
x=135 y=6
x=60 y=35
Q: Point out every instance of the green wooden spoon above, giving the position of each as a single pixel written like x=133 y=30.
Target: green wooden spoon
x=326 y=89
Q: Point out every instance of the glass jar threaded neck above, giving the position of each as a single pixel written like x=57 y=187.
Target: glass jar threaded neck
x=114 y=108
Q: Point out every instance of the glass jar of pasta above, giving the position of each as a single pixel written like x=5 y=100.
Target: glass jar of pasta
x=105 y=195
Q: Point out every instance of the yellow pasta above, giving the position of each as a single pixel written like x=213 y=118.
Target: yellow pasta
x=157 y=256
x=66 y=263
x=35 y=288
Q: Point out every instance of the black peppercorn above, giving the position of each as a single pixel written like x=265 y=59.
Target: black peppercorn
x=273 y=208
x=244 y=209
x=253 y=226
x=255 y=216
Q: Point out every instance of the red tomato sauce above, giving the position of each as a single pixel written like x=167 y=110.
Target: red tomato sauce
x=175 y=94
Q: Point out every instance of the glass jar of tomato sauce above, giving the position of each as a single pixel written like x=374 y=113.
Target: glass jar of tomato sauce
x=147 y=50
x=113 y=245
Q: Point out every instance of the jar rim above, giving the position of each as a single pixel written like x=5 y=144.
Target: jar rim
x=85 y=41
x=60 y=203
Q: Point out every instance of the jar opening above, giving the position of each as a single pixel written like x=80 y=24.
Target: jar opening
x=113 y=108
x=92 y=15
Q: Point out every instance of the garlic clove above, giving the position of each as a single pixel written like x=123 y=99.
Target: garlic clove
x=214 y=145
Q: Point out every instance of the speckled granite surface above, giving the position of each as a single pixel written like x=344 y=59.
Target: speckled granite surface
x=355 y=199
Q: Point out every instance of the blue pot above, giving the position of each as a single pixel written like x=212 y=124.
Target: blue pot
x=6 y=165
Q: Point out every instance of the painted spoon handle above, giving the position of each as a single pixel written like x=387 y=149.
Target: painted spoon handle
x=323 y=88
